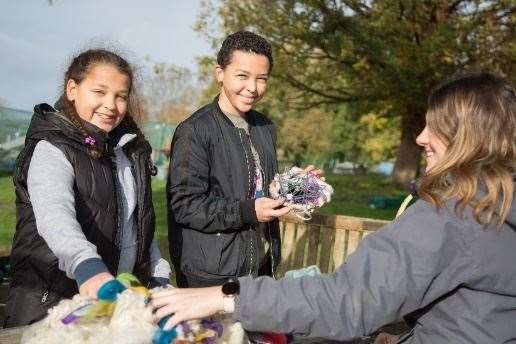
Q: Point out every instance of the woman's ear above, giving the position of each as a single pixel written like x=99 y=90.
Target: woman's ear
x=219 y=74
x=71 y=90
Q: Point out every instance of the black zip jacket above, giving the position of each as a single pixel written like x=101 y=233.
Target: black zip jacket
x=212 y=221
x=37 y=282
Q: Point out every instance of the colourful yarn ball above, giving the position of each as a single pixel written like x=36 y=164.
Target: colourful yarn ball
x=164 y=336
x=109 y=291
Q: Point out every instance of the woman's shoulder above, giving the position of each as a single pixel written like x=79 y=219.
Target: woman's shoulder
x=445 y=213
x=424 y=219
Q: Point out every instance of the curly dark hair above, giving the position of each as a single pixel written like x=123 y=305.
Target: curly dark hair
x=244 y=41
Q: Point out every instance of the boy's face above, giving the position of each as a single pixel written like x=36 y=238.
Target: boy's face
x=244 y=81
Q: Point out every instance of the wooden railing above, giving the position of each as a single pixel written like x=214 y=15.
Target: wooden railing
x=325 y=240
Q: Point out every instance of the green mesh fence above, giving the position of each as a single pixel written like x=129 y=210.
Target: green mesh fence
x=159 y=136
x=14 y=124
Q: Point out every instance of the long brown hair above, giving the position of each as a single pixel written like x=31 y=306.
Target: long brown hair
x=78 y=70
x=475 y=115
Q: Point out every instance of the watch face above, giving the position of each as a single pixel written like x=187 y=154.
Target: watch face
x=231 y=287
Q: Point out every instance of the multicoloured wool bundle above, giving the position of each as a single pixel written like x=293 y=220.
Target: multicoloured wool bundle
x=303 y=191
x=120 y=315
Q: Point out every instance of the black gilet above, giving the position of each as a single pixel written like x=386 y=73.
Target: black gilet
x=37 y=282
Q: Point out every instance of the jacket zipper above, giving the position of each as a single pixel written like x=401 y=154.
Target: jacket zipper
x=117 y=200
x=48 y=288
x=251 y=228
x=271 y=240
x=138 y=178
x=141 y=196
x=266 y=194
x=273 y=272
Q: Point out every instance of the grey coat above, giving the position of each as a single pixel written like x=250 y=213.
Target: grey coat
x=458 y=275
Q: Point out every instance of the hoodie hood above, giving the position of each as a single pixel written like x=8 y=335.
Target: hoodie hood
x=511 y=219
x=48 y=121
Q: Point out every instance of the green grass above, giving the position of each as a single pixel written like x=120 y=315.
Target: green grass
x=350 y=198
x=7 y=209
x=160 y=207
x=352 y=193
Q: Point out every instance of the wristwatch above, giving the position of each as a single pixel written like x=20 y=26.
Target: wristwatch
x=230 y=290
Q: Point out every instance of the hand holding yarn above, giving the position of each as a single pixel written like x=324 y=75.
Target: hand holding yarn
x=91 y=286
x=106 y=297
x=268 y=209
x=304 y=190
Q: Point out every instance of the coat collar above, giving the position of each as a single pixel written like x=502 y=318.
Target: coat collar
x=249 y=116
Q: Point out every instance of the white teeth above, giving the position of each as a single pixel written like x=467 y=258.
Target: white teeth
x=104 y=116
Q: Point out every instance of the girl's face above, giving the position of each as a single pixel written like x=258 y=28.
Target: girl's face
x=434 y=147
x=244 y=81
x=102 y=97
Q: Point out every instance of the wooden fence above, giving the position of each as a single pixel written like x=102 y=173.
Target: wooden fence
x=325 y=240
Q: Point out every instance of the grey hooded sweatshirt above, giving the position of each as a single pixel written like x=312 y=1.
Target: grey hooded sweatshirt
x=459 y=276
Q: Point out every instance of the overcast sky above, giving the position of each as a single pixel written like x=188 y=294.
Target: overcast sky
x=37 y=40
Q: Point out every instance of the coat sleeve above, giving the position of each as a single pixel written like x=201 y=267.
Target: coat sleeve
x=403 y=267
x=50 y=183
x=160 y=268
x=188 y=192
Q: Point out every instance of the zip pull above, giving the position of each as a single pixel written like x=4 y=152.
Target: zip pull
x=44 y=298
x=152 y=167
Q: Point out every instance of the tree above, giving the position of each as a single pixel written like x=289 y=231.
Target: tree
x=379 y=57
x=170 y=93
x=302 y=141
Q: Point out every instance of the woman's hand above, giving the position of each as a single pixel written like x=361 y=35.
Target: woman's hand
x=186 y=304
x=386 y=338
x=91 y=286
x=267 y=209
x=315 y=171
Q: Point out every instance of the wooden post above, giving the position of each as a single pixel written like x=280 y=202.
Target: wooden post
x=298 y=260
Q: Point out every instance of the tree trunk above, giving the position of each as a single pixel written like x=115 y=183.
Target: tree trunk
x=408 y=156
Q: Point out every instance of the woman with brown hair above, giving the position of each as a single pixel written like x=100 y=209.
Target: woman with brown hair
x=449 y=258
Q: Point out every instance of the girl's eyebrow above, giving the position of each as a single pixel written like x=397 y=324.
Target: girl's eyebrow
x=105 y=87
x=100 y=85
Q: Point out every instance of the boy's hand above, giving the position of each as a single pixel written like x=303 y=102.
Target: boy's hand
x=91 y=286
x=268 y=209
